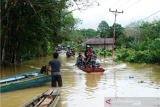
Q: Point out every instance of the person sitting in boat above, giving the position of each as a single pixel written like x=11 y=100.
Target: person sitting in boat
x=87 y=62
x=91 y=62
x=79 y=62
x=86 y=52
x=56 y=49
x=90 y=51
x=68 y=54
x=43 y=69
x=97 y=62
x=73 y=52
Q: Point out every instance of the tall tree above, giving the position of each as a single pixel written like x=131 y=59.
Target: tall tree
x=88 y=33
x=118 y=31
x=103 y=29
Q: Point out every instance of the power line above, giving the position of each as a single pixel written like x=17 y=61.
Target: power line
x=147 y=25
x=107 y=12
x=132 y=4
x=116 y=4
x=118 y=7
x=124 y=4
x=111 y=7
x=151 y=15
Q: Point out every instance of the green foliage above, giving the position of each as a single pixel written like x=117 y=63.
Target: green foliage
x=75 y=41
x=149 y=30
x=134 y=45
x=151 y=56
x=107 y=52
x=143 y=46
x=88 y=33
x=118 y=31
x=124 y=41
x=34 y=28
x=103 y=29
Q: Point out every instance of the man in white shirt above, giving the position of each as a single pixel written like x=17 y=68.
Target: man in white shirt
x=97 y=62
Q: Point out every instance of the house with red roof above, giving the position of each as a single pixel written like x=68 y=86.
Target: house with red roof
x=98 y=43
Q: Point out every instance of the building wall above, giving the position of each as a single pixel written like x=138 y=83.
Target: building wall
x=100 y=46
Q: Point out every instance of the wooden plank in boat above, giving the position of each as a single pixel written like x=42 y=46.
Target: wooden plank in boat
x=59 y=92
x=56 y=92
x=48 y=92
x=54 y=103
x=35 y=102
x=31 y=105
x=32 y=100
x=46 y=102
x=39 y=102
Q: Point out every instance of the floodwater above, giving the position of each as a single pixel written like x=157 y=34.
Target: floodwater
x=82 y=89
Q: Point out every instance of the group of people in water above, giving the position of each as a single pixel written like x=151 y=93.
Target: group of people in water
x=90 y=60
x=70 y=52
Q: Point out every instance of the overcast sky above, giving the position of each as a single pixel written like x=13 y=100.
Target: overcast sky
x=133 y=10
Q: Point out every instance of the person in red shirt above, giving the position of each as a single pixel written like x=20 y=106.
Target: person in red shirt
x=90 y=51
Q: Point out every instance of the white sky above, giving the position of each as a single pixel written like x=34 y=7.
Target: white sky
x=142 y=9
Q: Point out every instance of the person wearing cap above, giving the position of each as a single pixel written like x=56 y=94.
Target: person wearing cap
x=97 y=62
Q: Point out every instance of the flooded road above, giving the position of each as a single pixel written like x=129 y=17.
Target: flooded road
x=82 y=89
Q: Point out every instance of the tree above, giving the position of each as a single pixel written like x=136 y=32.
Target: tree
x=88 y=33
x=28 y=27
x=103 y=29
x=149 y=30
x=118 y=31
x=133 y=30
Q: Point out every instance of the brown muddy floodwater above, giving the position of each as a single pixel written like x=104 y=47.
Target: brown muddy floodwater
x=82 y=89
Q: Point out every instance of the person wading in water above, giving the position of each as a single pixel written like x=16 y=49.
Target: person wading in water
x=55 y=70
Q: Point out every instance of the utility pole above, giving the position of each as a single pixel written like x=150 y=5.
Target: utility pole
x=115 y=13
x=85 y=33
x=104 y=44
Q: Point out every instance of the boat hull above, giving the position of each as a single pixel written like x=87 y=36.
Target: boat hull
x=26 y=83
x=49 y=98
x=89 y=70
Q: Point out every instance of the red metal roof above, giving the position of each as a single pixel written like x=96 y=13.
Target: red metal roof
x=97 y=40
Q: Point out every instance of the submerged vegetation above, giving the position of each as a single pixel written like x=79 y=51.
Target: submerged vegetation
x=140 y=43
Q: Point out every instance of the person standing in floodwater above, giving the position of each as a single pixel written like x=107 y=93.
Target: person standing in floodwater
x=55 y=70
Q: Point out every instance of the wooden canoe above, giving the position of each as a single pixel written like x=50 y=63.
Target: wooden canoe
x=89 y=70
x=49 y=98
x=22 y=81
